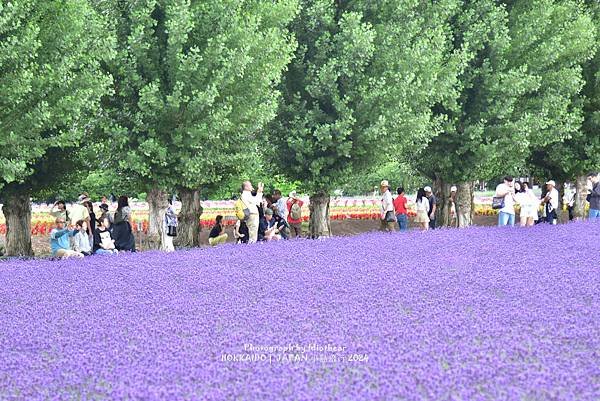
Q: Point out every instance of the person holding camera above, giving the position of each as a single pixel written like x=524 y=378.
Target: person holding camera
x=252 y=203
x=506 y=191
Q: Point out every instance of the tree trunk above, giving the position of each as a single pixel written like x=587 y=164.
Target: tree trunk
x=580 y=196
x=17 y=212
x=157 y=201
x=441 y=191
x=560 y=187
x=464 y=204
x=319 y=224
x=188 y=230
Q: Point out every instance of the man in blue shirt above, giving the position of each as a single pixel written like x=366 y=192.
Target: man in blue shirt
x=59 y=241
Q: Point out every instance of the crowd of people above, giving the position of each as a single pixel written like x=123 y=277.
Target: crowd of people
x=82 y=230
x=261 y=217
x=545 y=209
x=508 y=194
x=394 y=210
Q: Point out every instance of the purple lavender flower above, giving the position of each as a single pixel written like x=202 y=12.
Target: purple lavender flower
x=473 y=314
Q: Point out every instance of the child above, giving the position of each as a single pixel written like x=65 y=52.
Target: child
x=104 y=244
x=81 y=240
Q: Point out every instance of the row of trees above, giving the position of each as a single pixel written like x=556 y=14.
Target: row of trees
x=182 y=95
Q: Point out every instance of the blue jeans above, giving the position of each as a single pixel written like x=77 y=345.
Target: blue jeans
x=594 y=214
x=103 y=252
x=506 y=219
x=402 y=221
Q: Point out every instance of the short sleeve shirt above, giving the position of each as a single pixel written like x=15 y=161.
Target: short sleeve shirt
x=432 y=201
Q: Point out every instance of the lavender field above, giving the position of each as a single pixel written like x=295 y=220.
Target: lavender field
x=474 y=314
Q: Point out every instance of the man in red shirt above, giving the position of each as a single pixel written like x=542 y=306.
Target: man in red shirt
x=294 y=207
x=400 y=209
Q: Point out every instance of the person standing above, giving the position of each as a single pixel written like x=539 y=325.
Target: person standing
x=59 y=241
x=594 y=195
x=122 y=232
x=529 y=204
x=294 y=207
x=170 y=228
x=252 y=203
x=240 y=232
x=59 y=210
x=506 y=190
x=79 y=211
x=280 y=204
x=104 y=213
x=432 y=206
x=550 y=202
x=422 y=209
x=452 y=206
x=400 y=210
x=388 y=217
x=569 y=200
x=92 y=224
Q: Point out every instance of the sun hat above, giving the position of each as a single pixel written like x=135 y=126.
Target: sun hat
x=551 y=182
x=453 y=188
x=427 y=189
x=385 y=183
x=82 y=198
x=293 y=194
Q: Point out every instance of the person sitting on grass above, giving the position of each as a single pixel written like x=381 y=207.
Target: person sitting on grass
x=104 y=244
x=81 y=240
x=273 y=228
x=282 y=225
x=59 y=241
x=217 y=233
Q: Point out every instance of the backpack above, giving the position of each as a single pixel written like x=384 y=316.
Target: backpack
x=241 y=211
x=296 y=212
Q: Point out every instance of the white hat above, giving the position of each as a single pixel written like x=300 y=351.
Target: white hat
x=427 y=189
x=551 y=182
x=453 y=188
x=293 y=194
x=385 y=183
x=82 y=198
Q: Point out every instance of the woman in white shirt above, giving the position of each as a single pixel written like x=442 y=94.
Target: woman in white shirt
x=529 y=205
x=422 y=205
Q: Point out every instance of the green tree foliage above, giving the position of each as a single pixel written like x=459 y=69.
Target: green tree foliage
x=580 y=152
x=361 y=85
x=522 y=69
x=50 y=53
x=366 y=182
x=194 y=81
x=51 y=85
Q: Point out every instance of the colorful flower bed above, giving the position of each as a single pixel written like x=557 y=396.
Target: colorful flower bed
x=340 y=209
x=474 y=314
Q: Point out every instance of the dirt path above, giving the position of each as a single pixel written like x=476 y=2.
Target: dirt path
x=41 y=244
